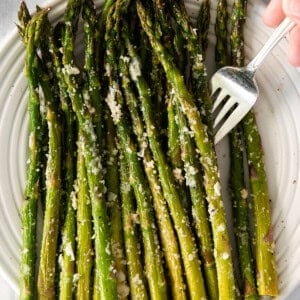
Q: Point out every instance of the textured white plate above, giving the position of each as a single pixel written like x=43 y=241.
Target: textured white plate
x=278 y=111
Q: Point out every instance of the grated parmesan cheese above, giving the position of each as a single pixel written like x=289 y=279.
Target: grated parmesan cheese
x=69 y=251
x=71 y=70
x=114 y=107
x=134 y=69
x=217 y=189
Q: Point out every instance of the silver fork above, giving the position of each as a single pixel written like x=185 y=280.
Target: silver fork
x=236 y=88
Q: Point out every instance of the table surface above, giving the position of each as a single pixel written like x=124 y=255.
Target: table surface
x=8 y=19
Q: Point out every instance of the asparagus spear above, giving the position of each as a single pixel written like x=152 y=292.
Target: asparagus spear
x=101 y=30
x=154 y=268
x=114 y=203
x=203 y=22
x=179 y=215
x=240 y=195
x=193 y=180
x=164 y=30
x=112 y=176
x=198 y=72
x=266 y=274
x=104 y=262
x=31 y=35
x=136 y=276
x=92 y=87
x=212 y=186
x=46 y=277
x=67 y=261
x=169 y=241
x=221 y=50
x=199 y=208
x=47 y=264
x=85 y=251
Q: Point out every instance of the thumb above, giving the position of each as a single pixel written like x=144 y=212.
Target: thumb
x=292 y=9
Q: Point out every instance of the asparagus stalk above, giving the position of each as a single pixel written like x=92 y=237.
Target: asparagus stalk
x=199 y=208
x=266 y=274
x=92 y=87
x=114 y=203
x=104 y=263
x=136 y=276
x=203 y=21
x=226 y=282
x=193 y=180
x=241 y=221
x=169 y=241
x=85 y=251
x=221 y=50
x=240 y=195
x=112 y=176
x=179 y=215
x=198 y=72
x=69 y=222
x=174 y=149
x=154 y=268
x=31 y=36
x=164 y=29
x=46 y=286
x=46 y=277
x=101 y=30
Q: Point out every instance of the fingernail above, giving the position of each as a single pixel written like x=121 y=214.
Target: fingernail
x=292 y=8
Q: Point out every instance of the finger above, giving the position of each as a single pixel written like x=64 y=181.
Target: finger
x=292 y=9
x=294 y=48
x=274 y=13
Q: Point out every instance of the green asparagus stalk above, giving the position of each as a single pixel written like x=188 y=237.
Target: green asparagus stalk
x=198 y=70
x=101 y=29
x=46 y=286
x=226 y=282
x=85 y=251
x=174 y=149
x=199 y=208
x=179 y=215
x=92 y=88
x=240 y=194
x=106 y=282
x=152 y=256
x=193 y=175
x=221 y=50
x=112 y=176
x=46 y=277
x=69 y=222
x=50 y=90
x=203 y=22
x=31 y=35
x=266 y=274
x=240 y=211
x=136 y=276
x=169 y=241
x=163 y=30
x=114 y=203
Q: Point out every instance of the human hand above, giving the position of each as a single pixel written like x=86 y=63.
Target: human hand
x=275 y=13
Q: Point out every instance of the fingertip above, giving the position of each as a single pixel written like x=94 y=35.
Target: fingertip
x=273 y=14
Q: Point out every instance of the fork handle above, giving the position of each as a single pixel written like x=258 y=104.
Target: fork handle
x=285 y=26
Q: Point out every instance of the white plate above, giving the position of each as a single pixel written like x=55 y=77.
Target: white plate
x=278 y=111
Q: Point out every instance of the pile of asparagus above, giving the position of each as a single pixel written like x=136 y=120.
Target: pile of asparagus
x=122 y=162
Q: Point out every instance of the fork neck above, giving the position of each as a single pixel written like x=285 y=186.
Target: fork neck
x=276 y=36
